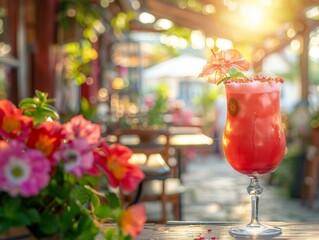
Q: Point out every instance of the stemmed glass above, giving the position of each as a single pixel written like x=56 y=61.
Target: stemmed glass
x=254 y=141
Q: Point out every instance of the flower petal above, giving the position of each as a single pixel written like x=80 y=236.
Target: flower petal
x=133 y=220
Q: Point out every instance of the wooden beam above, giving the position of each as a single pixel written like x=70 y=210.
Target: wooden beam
x=257 y=63
x=211 y=25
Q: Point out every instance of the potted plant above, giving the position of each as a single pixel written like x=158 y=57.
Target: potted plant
x=50 y=175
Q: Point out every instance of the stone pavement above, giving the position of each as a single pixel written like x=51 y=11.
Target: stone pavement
x=216 y=192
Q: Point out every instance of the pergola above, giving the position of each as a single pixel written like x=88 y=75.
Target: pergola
x=265 y=26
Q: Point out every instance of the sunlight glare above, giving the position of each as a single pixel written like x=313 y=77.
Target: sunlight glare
x=210 y=42
x=146 y=18
x=313 y=13
x=314 y=52
x=164 y=23
x=224 y=44
x=295 y=45
x=291 y=33
x=198 y=39
x=253 y=14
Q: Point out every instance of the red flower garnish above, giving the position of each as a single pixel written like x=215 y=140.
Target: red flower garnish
x=219 y=64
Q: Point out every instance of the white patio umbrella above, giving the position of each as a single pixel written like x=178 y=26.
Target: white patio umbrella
x=182 y=66
x=172 y=71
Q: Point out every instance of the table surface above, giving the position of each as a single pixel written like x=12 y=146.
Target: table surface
x=212 y=231
x=179 y=137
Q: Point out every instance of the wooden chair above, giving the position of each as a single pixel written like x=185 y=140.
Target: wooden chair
x=160 y=183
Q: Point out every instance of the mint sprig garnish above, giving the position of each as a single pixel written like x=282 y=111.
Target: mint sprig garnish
x=233 y=74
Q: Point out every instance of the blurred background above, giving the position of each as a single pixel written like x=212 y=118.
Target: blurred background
x=134 y=63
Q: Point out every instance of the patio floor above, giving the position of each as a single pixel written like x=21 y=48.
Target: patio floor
x=216 y=192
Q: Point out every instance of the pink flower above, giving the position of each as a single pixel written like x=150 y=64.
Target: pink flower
x=76 y=155
x=12 y=123
x=220 y=62
x=119 y=172
x=79 y=127
x=149 y=100
x=133 y=219
x=22 y=172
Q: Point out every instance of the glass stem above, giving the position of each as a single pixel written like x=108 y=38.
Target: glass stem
x=254 y=190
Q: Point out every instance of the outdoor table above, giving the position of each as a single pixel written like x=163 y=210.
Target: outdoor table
x=185 y=230
x=182 y=137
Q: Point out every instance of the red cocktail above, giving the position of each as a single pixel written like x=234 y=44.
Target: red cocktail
x=254 y=140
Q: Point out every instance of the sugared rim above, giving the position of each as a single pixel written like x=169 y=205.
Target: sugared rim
x=254 y=84
x=255 y=78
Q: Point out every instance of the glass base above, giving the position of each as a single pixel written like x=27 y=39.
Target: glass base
x=255 y=230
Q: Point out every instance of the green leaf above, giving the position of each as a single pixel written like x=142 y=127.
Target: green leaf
x=67 y=217
x=33 y=214
x=49 y=223
x=11 y=207
x=5 y=224
x=110 y=234
x=38 y=107
x=27 y=101
x=86 y=228
x=59 y=192
x=233 y=71
x=113 y=200
x=102 y=211
x=127 y=237
x=81 y=194
x=23 y=218
x=90 y=180
x=241 y=75
x=117 y=214
x=95 y=200
x=223 y=79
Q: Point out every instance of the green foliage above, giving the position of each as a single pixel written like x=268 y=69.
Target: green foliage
x=205 y=102
x=154 y=116
x=77 y=59
x=121 y=21
x=207 y=98
x=285 y=174
x=39 y=107
x=85 y=12
x=87 y=110
x=79 y=54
